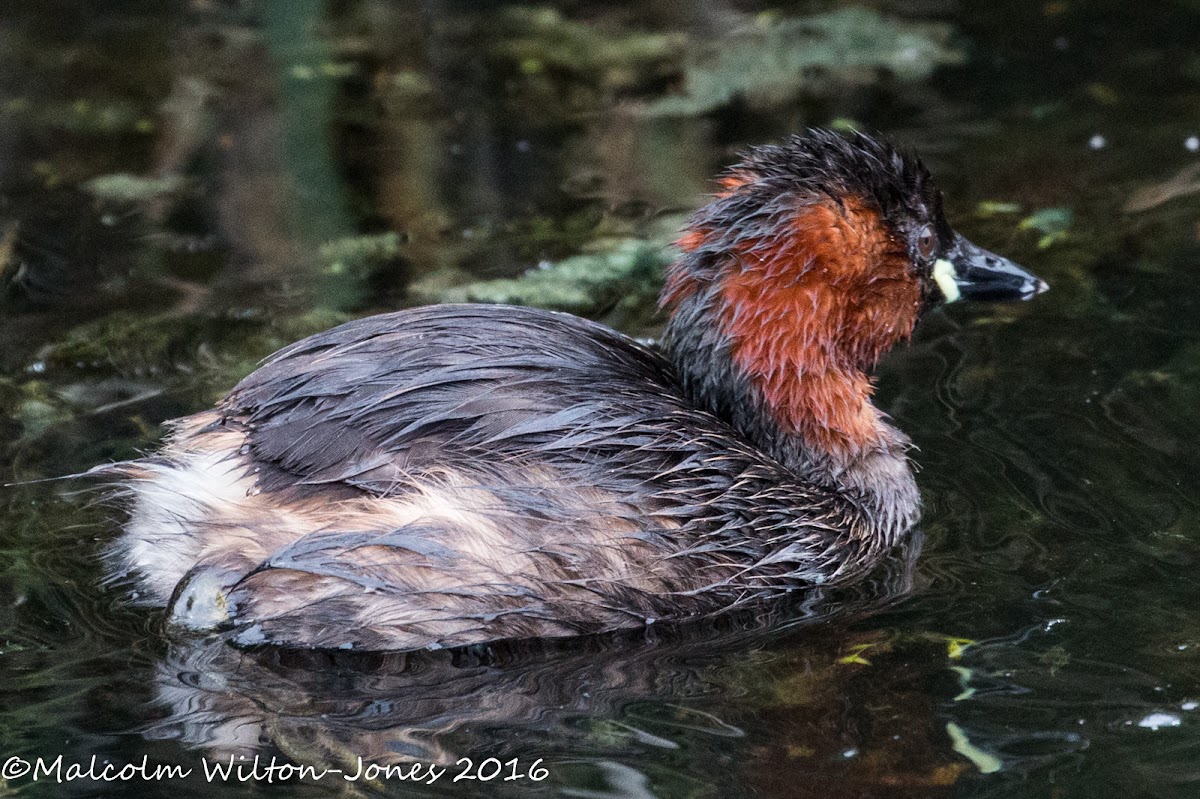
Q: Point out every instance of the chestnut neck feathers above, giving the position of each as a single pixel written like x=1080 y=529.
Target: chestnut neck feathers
x=791 y=285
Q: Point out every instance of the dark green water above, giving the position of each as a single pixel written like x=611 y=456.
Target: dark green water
x=233 y=142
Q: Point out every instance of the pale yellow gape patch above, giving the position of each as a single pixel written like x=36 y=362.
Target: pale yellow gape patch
x=943 y=273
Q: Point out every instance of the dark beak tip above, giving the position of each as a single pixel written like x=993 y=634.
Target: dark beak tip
x=984 y=275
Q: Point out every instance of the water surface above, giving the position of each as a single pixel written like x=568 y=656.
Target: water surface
x=186 y=186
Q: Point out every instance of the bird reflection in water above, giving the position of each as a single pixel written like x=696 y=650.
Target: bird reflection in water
x=832 y=692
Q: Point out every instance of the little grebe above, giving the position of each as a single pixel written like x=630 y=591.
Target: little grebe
x=459 y=474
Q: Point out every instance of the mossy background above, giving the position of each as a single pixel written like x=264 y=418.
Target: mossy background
x=186 y=186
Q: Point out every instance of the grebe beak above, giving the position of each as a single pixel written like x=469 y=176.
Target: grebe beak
x=969 y=272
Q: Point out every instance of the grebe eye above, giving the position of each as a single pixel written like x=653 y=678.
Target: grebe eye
x=926 y=242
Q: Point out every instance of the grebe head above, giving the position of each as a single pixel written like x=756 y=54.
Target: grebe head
x=816 y=257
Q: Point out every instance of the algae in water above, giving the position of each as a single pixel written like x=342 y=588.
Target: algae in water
x=772 y=60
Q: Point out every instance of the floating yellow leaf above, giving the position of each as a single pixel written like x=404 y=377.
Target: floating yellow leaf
x=993 y=207
x=986 y=762
x=956 y=646
x=855 y=655
x=964 y=682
